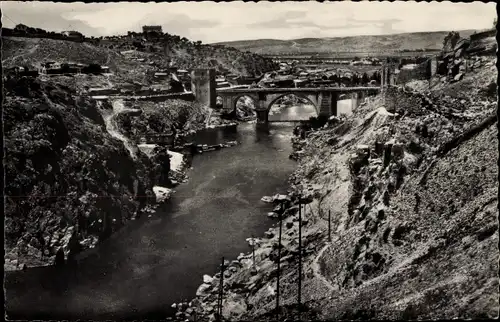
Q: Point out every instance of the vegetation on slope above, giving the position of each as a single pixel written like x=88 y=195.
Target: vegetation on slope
x=160 y=52
x=163 y=117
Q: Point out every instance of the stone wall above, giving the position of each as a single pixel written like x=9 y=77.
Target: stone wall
x=203 y=86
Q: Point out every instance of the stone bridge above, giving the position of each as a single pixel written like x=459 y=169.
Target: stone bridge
x=324 y=99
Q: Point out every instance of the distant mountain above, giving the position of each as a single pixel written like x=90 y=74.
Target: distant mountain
x=380 y=43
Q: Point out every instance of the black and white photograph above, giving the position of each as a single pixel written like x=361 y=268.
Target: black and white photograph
x=250 y=161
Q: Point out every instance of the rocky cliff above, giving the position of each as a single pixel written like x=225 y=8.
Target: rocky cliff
x=66 y=176
x=73 y=174
x=410 y=182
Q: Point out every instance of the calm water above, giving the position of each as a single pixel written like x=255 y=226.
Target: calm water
x=152 y=262
x=304 y=111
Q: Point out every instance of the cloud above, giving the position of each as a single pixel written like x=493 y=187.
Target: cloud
x=289 y=20
x=282 y=21
x=182 y=24
x=237 y=20
x=385 y=25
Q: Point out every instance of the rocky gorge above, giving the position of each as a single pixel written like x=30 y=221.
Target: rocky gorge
x=397 y=204
x=409 y=182
x=52 y=132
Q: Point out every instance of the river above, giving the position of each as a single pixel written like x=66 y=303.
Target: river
x=304 y=111
x=153 y=262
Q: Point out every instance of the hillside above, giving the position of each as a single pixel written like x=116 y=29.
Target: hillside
x=65 y=174
x=370 y=44
x=157 y=54
x=31 y=52
x=410 y=180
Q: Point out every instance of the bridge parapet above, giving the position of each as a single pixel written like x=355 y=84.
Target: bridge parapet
x=297 y=90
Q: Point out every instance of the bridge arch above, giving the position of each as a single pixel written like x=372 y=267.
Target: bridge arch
x=243 y=106
x=236 y=98
x=299 y=95
x=309 y=99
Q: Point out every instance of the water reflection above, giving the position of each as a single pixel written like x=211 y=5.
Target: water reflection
x=262 y=132
x=346 y=106
x=292 y=113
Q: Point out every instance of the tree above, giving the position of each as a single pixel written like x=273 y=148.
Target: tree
x=59 y=260
x=364 y=78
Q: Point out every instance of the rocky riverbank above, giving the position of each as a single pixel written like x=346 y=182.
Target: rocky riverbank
x=70 y=183
x=73 y=175
x=409 y=182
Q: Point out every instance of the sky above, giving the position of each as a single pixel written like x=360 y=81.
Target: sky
x=213 y=22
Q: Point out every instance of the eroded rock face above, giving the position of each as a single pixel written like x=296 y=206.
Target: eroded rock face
x=411 y=207
x=450 y=41
x=203 y=289
x=58 y=140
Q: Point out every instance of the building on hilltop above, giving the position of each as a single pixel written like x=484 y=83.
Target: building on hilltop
x=149 y=29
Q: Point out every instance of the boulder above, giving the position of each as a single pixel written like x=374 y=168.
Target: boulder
x=362 y=151
x=272 y=214
x=269 y=234
x=253 y=241
x=207 y=279
x=161 y=193
x=458 y=77
x=203 y=290
x=280 y=197
x=267 y=199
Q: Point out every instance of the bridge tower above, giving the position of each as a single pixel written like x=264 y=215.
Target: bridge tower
x=203 y=86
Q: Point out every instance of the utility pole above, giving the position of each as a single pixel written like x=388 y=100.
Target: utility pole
x=278 y=273
x=253 y=251
x=329 y=226
x=221 y=290
x=300 y=258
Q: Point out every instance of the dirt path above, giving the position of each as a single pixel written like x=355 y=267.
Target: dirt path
x=317 y=269
x=113 y=129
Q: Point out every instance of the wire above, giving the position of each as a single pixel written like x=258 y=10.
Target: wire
x=15 y=23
